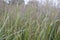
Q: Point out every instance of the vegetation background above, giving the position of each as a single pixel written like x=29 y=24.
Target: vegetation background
x=33 y=21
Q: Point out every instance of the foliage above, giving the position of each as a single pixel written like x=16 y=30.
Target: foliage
x=37 y=23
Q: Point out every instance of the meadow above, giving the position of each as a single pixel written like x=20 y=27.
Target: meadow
x=31 y=23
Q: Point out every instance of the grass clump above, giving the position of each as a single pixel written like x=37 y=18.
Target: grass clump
x=29 y=27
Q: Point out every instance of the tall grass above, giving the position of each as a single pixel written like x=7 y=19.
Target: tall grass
x=32 y=26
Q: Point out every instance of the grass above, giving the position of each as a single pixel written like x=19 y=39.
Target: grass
x=30 y=27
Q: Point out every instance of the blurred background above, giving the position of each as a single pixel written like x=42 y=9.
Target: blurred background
x=29 y=19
